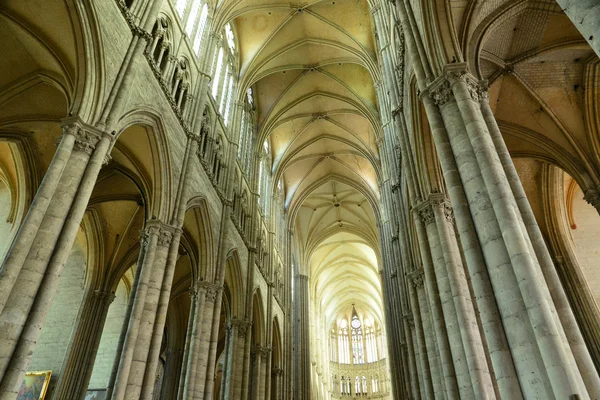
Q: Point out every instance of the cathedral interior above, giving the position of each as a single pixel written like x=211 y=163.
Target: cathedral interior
x=333 y=199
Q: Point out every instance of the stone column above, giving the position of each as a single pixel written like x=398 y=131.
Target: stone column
x=264 y=353
x=256 y=357
x=416 y=284
x=238 y=330
x=467 y=323
x=171 y=374
x=161 y=314
x=151 y=236
x=415 y=279
x=191 y=327
x=79 y=361
x=16 y=255
x=267 y=374
x=189 y=377
x=301 y=338
x=571 y=330
x=555 y=354
x=31 y=296
x=226 y=360
x=205 y=373
x=426 y=231
x=130 y=302
x=277 y=387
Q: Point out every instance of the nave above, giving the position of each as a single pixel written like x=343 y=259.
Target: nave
x=253 y=199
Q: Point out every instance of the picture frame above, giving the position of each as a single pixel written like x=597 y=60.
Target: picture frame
x=35 y=385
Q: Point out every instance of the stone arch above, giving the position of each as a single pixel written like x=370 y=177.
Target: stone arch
x=17 y=186
x=570 y=227
x=234 y=284
x=277 y=344
x=258 y=319
x=151 y=158
x=198 y=233
x=69 y=60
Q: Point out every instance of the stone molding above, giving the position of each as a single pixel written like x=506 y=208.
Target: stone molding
x=410 y=320
x=592 y=196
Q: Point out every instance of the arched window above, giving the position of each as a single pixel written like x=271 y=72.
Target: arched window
x=180 y=7
x=371 y=342
x=357 y=341
x=375 y=384
x=343 y=345
x=217 y=74
x=201 y=28
x=229 y=101
x=192 y=18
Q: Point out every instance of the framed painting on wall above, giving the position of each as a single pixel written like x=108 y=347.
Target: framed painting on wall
x=35 y=385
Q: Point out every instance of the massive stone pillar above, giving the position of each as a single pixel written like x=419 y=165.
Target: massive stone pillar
x=416 y=283
x=434 y=296
x=539 y=346
x=301 y=338
x=208 y=324
x=139 y=330
x=238 y=330
x=34 y=264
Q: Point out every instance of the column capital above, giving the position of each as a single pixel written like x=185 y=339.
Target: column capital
x=164 y=231
x=210 y=289
x=241 y=326
x=424 y=212
x=86 y=136
x=104 y=296
x=262 y=352
x=416 y=278
x=439 y=200
x=410 y=320
x=459 y=72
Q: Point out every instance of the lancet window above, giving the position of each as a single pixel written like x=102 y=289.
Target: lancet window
x=224 y=74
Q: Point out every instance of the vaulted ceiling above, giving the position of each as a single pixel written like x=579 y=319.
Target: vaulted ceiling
x=313 y=70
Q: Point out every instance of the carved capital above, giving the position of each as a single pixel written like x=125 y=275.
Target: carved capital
x=483 y=90
x=459 y=73
x=416 y=278
x=104 y=297
x=211 y=290
x=426 y=215
x=86 y=141
x=439 y=200
x=409 y=320
x=165 y=238
x=440 y=92
x=242 y=327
